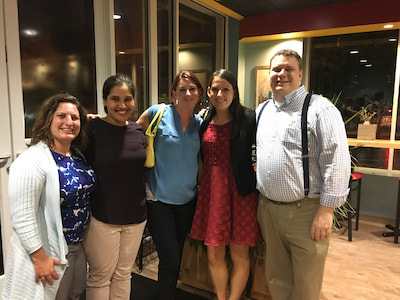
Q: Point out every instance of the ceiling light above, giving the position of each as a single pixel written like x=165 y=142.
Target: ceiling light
x=117 y=17
x=122 y=52
x=388 y=26
x=30 y=32
x=393 y=40
x=354 y=52
x=363 y=60
x=368 y=65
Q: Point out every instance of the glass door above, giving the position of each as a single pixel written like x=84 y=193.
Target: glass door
x=12 y=130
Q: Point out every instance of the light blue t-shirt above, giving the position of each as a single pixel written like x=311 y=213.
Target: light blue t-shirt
x=173 y=179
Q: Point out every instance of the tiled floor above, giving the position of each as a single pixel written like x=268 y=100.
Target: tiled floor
x=368 y=268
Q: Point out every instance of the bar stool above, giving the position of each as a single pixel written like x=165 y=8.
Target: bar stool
x=395 y=229
x=355 y=185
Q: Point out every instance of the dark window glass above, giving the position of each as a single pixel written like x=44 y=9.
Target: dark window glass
x=360 y=67
x=164 y=40
x=377 y=158
x=130 y=47
x=57 y=53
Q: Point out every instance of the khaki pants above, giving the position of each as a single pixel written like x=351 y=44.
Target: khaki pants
x=294 y=263
x=111 y=252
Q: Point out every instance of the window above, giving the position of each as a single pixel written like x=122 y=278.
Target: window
x=57 y=53
x=129 y=47
x=361 y=68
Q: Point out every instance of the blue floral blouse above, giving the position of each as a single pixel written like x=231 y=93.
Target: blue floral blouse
x=77 y=181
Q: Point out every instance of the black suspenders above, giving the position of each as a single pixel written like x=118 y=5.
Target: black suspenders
x=304 y=141
x=304 y=145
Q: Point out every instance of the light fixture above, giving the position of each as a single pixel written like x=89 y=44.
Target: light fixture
x=363 y=60
x=388 y=26
x=30 y=32
x=121 y=52
x=392 y=40
x=117 y=17
x=368 y=65
x=354 y=52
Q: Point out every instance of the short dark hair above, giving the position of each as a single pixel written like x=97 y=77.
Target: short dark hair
x=41 y=130
x=288 y=52
x=187 y=75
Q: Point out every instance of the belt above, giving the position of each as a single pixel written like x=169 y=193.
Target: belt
x=297 y=202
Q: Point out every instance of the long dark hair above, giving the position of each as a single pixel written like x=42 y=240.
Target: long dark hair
x=236 y=108
x=41 y=130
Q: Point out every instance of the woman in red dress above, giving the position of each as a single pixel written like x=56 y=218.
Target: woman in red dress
x=227 y=200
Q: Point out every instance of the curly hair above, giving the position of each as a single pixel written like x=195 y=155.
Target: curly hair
x=41 y=130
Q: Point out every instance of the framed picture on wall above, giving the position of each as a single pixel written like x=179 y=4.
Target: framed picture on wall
x=262 y=88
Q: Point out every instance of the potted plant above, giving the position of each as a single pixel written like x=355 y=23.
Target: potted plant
x=366 y=130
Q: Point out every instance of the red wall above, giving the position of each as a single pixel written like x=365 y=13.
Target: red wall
x=358 y=12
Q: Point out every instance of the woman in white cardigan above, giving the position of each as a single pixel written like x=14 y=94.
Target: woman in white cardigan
x=49 y=192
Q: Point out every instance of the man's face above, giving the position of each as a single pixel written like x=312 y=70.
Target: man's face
x=284 y=76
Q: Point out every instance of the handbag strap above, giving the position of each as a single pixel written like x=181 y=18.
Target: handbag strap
x=152 y=128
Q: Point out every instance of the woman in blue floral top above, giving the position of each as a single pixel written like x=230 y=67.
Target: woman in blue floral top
x=49 y=191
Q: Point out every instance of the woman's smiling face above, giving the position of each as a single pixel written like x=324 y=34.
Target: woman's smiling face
x=119 y=103
x=221 y=93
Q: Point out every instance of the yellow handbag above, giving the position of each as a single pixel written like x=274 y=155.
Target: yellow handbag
x=150 y=134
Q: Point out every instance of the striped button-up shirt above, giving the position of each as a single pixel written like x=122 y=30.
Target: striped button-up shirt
x=279 y=155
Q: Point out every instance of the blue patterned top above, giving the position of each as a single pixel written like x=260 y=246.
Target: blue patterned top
x=77 y=181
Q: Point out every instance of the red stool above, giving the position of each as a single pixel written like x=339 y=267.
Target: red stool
x=355 y=185
x=395 y=229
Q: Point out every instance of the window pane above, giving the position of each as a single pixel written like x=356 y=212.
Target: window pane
x=197 y=43
x=361 y=67
x=164 y=30
x=371 y=157
x=129 y=47
x=57 y=53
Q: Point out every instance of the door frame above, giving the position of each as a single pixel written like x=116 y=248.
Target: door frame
x=12 y=124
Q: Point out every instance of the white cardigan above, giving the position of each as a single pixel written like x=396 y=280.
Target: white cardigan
x=34 y=194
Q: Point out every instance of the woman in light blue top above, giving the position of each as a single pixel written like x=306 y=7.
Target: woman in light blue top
x=172 y=182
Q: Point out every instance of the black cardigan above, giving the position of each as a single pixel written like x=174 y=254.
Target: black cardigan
x=241 y=152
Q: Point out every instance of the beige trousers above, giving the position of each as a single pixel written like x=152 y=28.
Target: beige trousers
x=111 y=252
x=294 y=263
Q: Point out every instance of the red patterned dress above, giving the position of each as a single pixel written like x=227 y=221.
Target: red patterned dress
x=222 y=214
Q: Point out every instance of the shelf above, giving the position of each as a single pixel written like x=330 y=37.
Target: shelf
x=374 y=143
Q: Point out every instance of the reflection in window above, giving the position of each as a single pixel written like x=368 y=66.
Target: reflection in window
x=197 y=43
x=361 y=67
x=129 y=47
x=57 y=53
x=377 y=158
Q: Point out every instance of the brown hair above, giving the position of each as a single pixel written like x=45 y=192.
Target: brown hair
x=187 y=75
x=288 y=52
x=41 y=130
